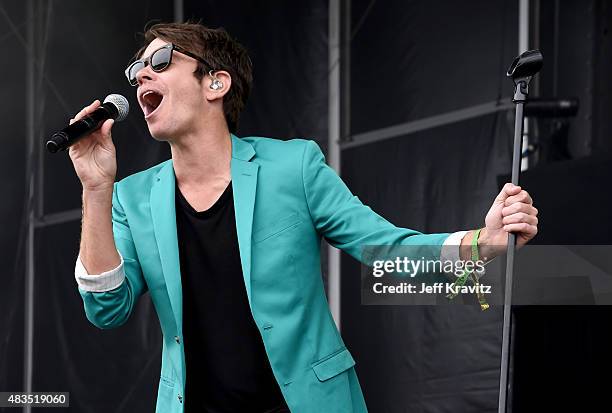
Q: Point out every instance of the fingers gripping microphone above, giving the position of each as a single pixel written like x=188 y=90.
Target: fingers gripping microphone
x=114 y=107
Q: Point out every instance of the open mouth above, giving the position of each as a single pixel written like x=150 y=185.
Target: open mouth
x=151 y=101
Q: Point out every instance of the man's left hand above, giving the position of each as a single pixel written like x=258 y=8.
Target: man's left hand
x=512 y=211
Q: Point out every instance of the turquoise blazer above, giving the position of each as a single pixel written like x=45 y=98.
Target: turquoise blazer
x=286 y=198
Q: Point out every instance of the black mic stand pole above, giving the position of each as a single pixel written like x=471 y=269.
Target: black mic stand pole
x=521 y=71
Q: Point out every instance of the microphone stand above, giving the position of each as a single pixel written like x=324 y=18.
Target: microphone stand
x=521 y=72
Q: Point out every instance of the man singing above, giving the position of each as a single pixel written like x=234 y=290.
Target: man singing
x=225 y=236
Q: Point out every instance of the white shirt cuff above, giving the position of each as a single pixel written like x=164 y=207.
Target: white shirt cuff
x=99 y=283
x=450 y=247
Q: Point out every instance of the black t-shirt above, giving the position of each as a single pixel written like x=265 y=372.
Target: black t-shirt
x=227 y=366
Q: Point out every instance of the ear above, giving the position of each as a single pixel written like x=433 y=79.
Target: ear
x=223 y=82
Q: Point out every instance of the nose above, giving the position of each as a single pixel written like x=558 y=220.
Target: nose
x=144 y=74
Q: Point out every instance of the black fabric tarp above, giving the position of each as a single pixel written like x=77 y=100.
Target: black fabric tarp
x=410 y=60
x=70 y=354
x=413 y=59
x=84 y=48
x=12 y=168
x=80 y=53
x=545 y=378
x=427 y=359
x=287 y=42
x=424 y=359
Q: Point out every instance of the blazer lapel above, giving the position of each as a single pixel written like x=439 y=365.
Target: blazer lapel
x=163 y=212
x=244 y=178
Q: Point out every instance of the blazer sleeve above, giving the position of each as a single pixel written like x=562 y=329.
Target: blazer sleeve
x=112 y=308
x=346 y=223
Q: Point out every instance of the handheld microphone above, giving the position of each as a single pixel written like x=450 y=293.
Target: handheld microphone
x=114 y=107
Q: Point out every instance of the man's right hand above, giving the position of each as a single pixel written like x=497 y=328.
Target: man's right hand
x=93 y=156
x=95 y=163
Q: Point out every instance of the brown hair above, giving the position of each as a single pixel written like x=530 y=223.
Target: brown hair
x=218 y=48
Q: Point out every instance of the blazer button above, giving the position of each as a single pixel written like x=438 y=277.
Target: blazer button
x=177 y=339
x=180 y=398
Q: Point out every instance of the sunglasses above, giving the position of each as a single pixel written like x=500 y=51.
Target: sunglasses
x=159 y=60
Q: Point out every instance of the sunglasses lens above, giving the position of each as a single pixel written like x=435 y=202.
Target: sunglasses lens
x=160 y=59
x=133 y=70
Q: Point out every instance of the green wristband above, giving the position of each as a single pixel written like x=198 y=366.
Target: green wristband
x=475 y=255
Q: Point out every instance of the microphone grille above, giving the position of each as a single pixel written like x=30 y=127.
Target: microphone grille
x=121 y=103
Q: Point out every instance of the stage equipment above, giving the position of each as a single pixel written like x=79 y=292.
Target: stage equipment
x=521 y=71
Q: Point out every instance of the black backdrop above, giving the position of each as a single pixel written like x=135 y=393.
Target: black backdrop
x=410 y=59
x=82 y=49
x=427 y=359
x=562 y=354
x=417 y=59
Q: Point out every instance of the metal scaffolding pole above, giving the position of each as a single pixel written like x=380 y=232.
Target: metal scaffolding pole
x=179 y=11
x=30 y=205
x=523 y=46
x=403 y=129
x=333 y=147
